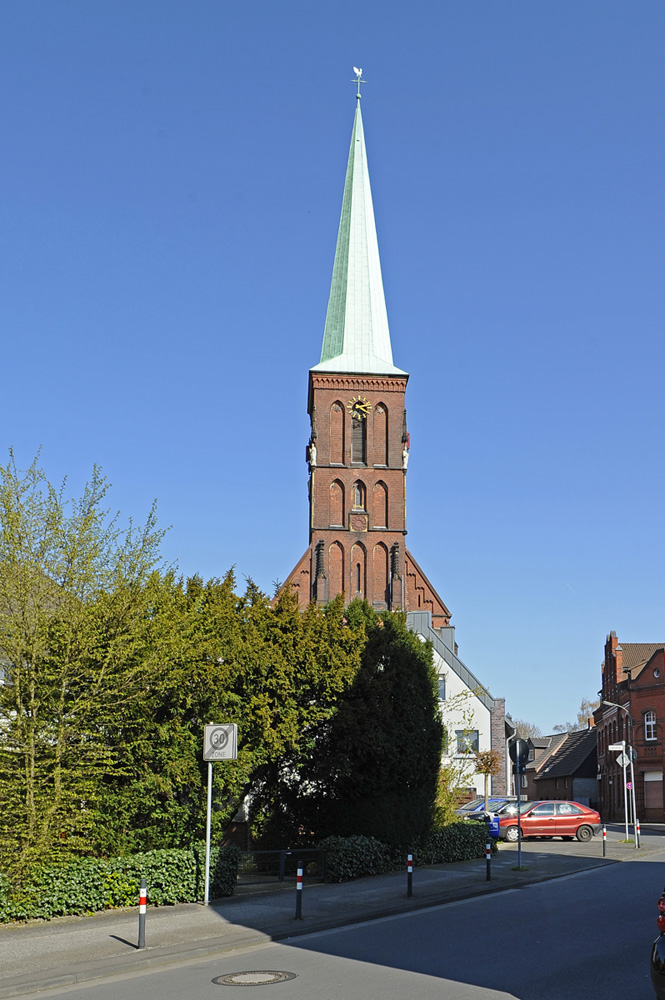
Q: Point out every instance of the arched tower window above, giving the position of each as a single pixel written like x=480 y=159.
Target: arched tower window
x=337 y=434
x=336 y=514
x=380 y=506
x=380 y=577
x=358 y=582
x=380 y=434
x=335 y=570
x=359 y=440
x=358 y=495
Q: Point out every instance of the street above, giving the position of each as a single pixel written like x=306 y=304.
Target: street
x=587 y=934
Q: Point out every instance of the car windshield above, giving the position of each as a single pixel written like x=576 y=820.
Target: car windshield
x=510 y=808
x=470 y=806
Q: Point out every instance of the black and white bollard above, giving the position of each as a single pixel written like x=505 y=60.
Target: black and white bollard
x=142 y=909
x=409 y=874
x=299 y=891
x=488 y=860
x=604 y=840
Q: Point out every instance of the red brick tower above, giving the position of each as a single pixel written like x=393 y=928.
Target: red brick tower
x=359 y=445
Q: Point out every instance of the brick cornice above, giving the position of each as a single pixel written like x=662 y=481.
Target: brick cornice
x=375 y=383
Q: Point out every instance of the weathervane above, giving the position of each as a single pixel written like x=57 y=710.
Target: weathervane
x=358 y=79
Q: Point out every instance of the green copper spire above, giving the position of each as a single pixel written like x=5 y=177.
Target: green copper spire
x=356 y=336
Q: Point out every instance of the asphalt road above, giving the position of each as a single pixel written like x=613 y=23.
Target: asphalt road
x=586 y=935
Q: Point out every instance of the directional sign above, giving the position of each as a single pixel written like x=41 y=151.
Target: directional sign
x=617 y=746
x=220 y=742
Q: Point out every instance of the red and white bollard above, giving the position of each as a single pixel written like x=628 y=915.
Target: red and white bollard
x=299 y=891
x=488 y=860
x=143 y=901
x=409 y=874
x=604 y=840
x=638 y=842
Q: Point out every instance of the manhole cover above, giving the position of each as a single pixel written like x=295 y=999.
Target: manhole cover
x=253 y=978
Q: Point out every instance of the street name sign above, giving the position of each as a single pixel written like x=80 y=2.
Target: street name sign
x=220 y=742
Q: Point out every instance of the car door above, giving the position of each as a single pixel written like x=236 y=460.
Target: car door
x=540 y=821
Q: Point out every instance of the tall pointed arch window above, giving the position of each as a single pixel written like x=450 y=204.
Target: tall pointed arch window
x=337 y=434
x=336 y=570
x=336 y=517
x=359 y=440
x=380 y=577
x=358 y=582
x=380 y=434
x=380 y=505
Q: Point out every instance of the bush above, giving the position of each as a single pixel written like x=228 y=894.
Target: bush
x=352 y=857
x=90 y=884
x=457 y=842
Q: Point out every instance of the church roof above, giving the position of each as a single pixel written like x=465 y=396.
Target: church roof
x=356 y=336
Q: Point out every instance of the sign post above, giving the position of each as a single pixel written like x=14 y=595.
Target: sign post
x=519 y=754
x=622 y=761
x=219 y=743
x=632 y=757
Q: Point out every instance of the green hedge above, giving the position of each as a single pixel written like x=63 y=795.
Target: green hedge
x=457 y=842
x=354 y=857
x=89 y=884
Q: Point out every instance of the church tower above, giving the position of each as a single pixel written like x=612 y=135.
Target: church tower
x=359 y=445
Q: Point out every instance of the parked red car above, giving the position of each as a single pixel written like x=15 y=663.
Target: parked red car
x=552 y=819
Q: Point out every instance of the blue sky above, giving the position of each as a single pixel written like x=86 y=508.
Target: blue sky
x=171 y=183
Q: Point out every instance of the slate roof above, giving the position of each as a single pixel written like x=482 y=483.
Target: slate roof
x=570 y=756
x=356 y=337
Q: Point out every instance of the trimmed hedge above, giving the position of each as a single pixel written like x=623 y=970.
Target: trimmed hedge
x=90 y=884
x=457 y=842
x=355 y=857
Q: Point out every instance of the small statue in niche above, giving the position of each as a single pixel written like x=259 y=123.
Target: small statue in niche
x=405 y=457
x=312 y=455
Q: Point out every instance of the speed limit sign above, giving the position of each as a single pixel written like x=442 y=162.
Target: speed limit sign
x=220 y=742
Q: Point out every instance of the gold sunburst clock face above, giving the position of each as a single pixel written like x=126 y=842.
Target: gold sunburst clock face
x=359 y=407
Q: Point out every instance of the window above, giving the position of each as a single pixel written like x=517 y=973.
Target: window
x=359 y=496
x=467 y=740
x=568 y=809
x=359 y=441
x=650 y=726
x=442 y=687
x=525 y=780
x=337 y=434
x=546 y=809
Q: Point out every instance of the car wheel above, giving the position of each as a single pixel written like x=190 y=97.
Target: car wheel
x=511 y=834
x=584 y=833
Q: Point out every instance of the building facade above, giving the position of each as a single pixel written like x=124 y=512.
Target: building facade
x=358 y=455
x=633 y=682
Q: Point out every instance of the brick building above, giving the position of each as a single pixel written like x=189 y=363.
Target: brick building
x=633 y=677
x=358 y=455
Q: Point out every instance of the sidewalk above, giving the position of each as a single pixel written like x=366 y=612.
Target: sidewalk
x=71 y=950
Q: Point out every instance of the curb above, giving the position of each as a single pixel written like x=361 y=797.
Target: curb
x=174 y=955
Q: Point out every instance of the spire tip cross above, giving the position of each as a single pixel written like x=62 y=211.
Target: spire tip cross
x=358 y=80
